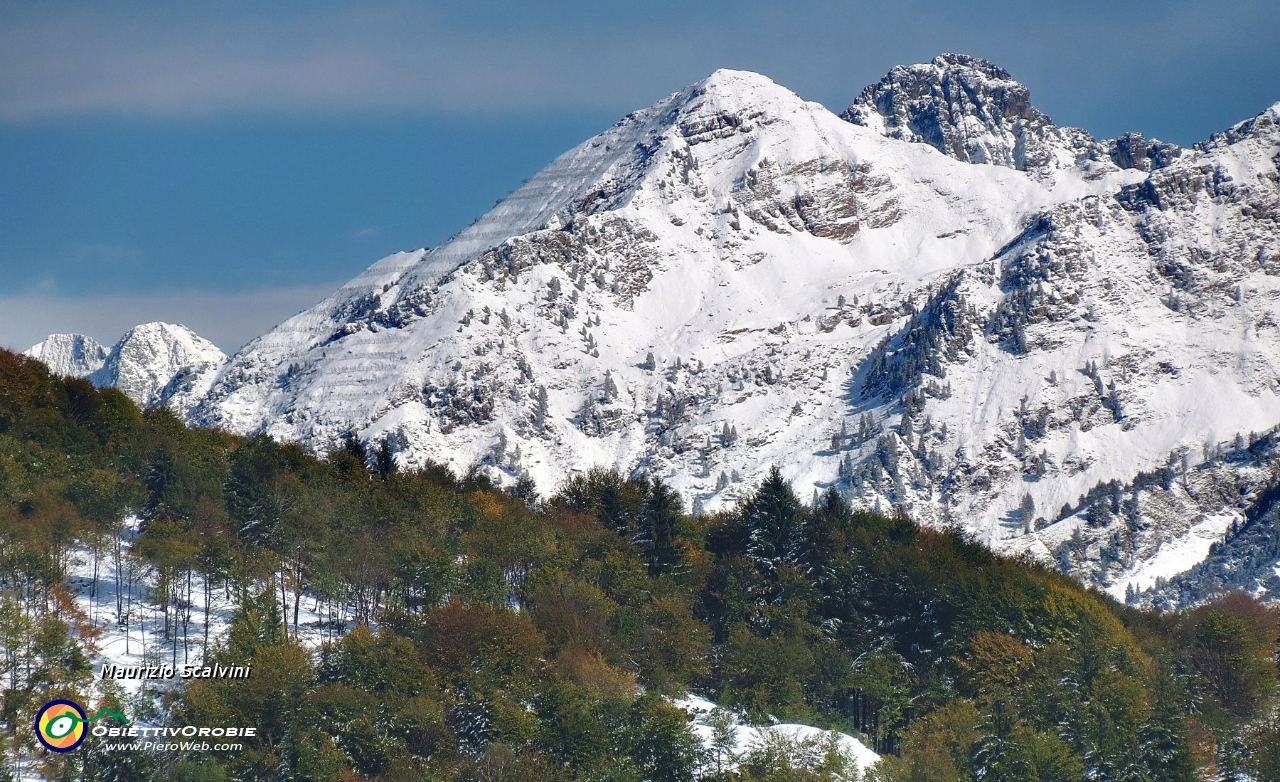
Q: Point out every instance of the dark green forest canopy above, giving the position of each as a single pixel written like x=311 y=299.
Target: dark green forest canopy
x=492 y=635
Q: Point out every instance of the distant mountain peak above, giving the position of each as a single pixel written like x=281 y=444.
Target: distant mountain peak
x=149 y=355
x=153 y=363
x=1000 y=347
x=75 y=355
x=700 y=229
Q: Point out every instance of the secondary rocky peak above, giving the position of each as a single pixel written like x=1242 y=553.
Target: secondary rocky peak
x=1265 y=128
x=972 y=110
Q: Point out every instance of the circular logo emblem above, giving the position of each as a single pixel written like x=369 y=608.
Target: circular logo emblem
x=60 y=725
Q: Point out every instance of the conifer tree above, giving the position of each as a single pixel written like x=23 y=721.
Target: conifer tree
x=384 y=461
x=773 y=519
x=660 y=518
x=1166 y=752
x=540 y=409
x=816 y=544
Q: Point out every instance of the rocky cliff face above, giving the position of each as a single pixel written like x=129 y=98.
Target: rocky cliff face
x=1110 y=362
x=734 y=278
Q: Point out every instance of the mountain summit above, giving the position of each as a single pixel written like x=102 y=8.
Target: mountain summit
x=662 y=259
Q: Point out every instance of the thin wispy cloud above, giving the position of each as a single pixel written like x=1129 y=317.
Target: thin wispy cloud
x=107 y=254
x=504 y=58
x=366 y=233
x=192 y=64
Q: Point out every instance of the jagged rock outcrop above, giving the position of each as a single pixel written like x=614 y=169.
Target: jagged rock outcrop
x=1133 y=150
x=973 y=110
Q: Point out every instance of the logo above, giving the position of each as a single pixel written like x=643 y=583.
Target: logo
x=60 y=725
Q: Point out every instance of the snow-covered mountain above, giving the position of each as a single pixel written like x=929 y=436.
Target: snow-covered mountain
x=154 y=363
x=735 y=277
x=76 y=355
x=160 y=363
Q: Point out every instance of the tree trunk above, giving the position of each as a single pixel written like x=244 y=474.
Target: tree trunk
x=297 y=592
x=284 y=605
x=204 y=650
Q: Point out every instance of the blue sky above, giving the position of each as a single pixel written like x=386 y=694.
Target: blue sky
x=227 y=164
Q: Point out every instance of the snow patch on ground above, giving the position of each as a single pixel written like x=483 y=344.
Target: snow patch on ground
x=130 y=625
x=1175 y=556
x=749 y=738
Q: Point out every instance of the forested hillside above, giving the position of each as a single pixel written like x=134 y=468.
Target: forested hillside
x=478 y=634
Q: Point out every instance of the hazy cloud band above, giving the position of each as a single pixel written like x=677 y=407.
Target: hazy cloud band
x=228 y=319
x=501 y=58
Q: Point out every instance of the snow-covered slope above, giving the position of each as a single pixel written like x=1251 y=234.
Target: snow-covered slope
x=745 y=739
x=735 y=277
x=76 y=355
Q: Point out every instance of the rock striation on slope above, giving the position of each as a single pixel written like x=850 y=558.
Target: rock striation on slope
x=1011 y=327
